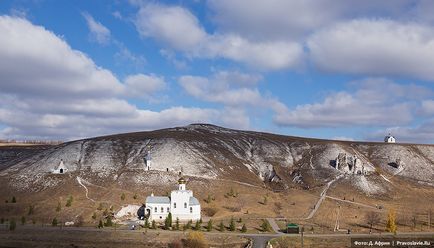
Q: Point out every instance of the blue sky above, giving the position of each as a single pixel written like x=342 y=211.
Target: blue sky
x=332 y=69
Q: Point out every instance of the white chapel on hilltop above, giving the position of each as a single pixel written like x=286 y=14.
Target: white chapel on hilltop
x=181 y=203
x=389 y=139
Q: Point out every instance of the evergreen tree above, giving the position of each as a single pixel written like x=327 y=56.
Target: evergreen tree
x=265 y=226
x=240 y=220
x=232 y=225
x=197 y=226
x=221 y=226
x=168 y=221
x=54 y=222
x=200 y=220
x=109 y=221
x=14 y=200
x=391 y=221
x=94 y=215
x=209 y=226
x=100 y=224
x=244 y=228
x=189 y=223
x=12 y=225
x=146 y=223
x=31 y=210
x=177 y=224
x=69 y=201
x=154 y=225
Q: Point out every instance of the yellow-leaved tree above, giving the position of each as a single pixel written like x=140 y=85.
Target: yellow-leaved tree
x=391 y=221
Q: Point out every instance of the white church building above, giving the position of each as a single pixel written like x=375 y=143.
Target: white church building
x=181 y=203
x=389 y=139
x=61 y=168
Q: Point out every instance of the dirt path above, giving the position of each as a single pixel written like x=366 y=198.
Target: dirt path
x=87 y=191
x=322 y=197
x=351 y=202
x=273 y=225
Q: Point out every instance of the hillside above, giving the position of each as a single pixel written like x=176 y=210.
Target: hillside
x=210 y=152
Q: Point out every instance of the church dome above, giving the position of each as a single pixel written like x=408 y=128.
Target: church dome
x=182 y=180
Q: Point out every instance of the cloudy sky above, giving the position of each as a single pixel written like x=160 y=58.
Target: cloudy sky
x=333 y=69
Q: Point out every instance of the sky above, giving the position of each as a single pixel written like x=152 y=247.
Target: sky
x=333 y=69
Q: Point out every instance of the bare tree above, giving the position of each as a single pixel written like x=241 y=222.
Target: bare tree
x=372 y=218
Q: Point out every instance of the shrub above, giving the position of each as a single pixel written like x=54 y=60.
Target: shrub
x=54 y=222
x=196 y=240
x=123 y=196
x=100 y=206
x=244 y=228
x=265 y=226
x=154 y=225
x=69 y=201
x=23 y=220
x=135 y=196
x=232 y=225
x=108 y=221
x=100 y=224
x=209 y=226
x=175 y=244
x=146 y=223
x=189 y=223
x=391 y=221
x=265 y=200
x=14 y=200
x=12 y=225
x=79 y=222
x=240 y=220
x=94 y=215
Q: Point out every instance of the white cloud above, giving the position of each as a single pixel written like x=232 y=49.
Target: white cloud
x=99 y=32
x=143 y=86
x=423 y=133
x=375 y=102
x=179 y=29
x=52 y=91
x=375 y=47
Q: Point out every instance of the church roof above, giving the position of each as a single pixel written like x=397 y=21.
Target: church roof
x=158 y=199
x=193 y=201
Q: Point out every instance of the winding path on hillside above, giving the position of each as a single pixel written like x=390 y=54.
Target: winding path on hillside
x=87 y=191
x=322 y=197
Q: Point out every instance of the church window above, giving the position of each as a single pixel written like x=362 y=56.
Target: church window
x=155 y=210
x=185 y=205
x=191 y=210
x=167 y=209
x=162 y=209
x=174 y=205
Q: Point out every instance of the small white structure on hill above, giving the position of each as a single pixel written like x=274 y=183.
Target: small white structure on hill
x=61 y=168
x=389 y=139
x=181 y=204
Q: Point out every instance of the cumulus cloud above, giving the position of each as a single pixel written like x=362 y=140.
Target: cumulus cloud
x=375 y=47
x=374 y=102
x=179 y=29
x=99 y=32
x=143 y=86
x=52 y=91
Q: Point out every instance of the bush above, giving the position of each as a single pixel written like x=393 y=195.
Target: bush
x=232 y=225
x=100 y=224
x=175 y=244
x=265 y=226
x=146 y=223
x=108 y=221
x=177 y=224
x=14 y=200
x=196 y=240
x=244 y=228
x=209 y=226
x=79 y=222
x=123 y=196
x=135 y=196
x=54 y=222
x=12 y=225
x=189 y=223
x=265 y=200
x=240 y=220
x=23 y=220
x=100 y=206
x=94 y=215
x=154 y=225
x=69 y=201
